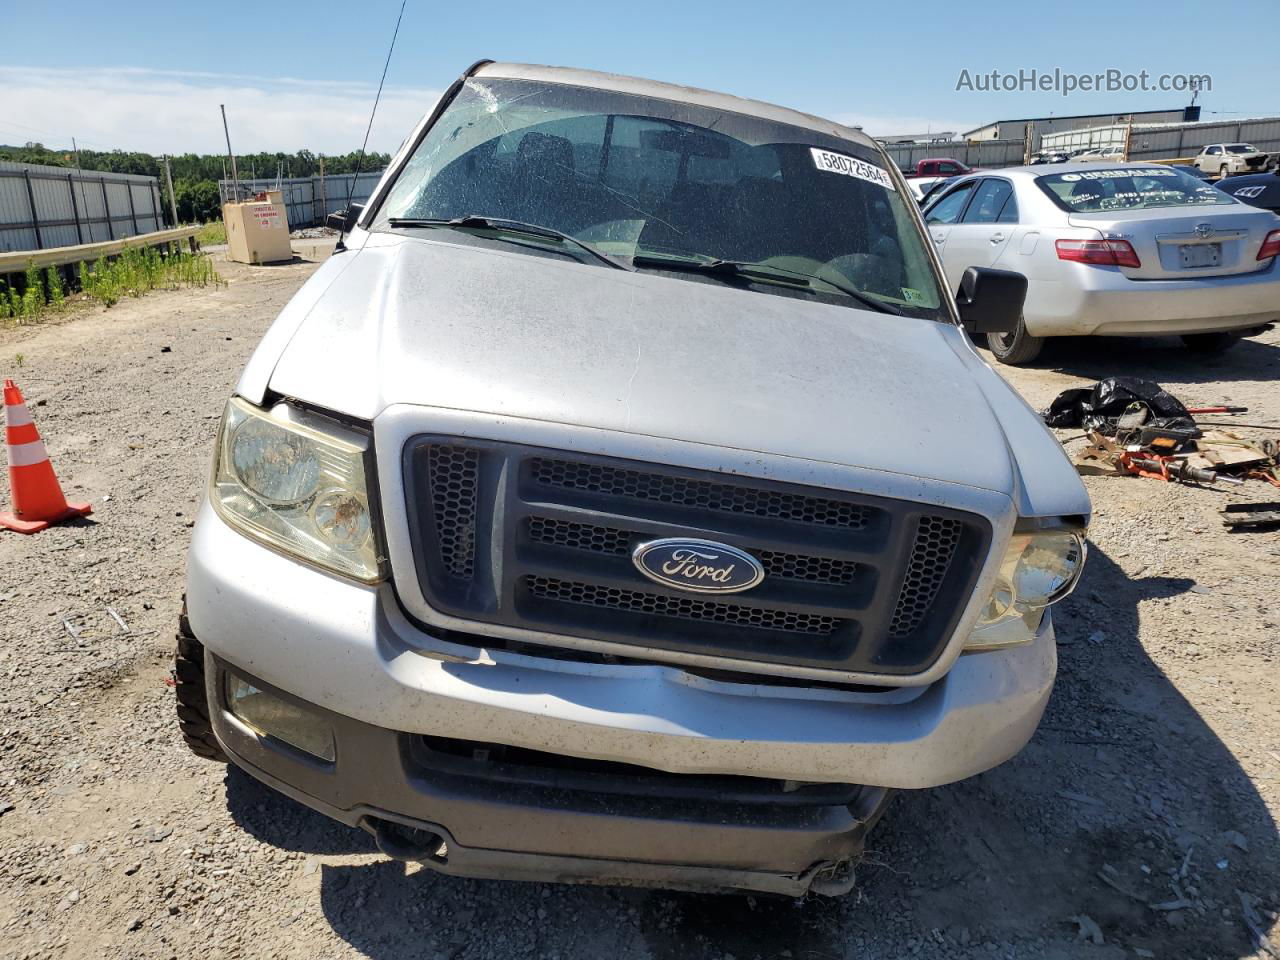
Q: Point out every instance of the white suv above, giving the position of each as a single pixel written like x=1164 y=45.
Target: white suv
x=1226 y=159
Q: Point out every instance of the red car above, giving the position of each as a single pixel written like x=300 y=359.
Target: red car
x=937 y=167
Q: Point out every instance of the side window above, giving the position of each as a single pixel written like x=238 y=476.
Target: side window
x=1212 y=151
x=949 y=208
x=988 y=201
x=948 y=169
x=1009 y=214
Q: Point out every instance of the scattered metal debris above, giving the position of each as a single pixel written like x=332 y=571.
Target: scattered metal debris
x=1117 y=885
x=1252 y=920
x=1251 y=516
x=1088 y=929
x=124 y=627
x=1186 y=862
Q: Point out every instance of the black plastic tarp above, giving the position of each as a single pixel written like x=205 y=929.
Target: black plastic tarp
x=1098 y=407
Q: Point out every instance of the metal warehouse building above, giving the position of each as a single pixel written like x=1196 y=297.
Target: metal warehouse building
x=1017 y=129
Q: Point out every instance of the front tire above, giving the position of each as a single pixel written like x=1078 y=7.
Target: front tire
x=192 y=696
x=1015 y=348
x=1210 y=343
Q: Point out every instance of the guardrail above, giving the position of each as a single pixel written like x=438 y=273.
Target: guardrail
x=18 y=261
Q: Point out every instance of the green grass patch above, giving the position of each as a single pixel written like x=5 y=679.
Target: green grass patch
x=131 y=274
x=212 y=233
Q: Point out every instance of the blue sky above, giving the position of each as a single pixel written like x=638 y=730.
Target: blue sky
x=150 y=76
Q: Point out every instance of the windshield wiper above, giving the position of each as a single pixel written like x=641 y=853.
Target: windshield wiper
x=473 y=221
x=756 y=271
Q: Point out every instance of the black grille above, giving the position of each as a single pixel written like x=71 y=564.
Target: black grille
x=454 y=474
x=581 y=536
x=498 y=764
x=585 y=536
x=703 y=494
x=538 y=543
x=686 y=608
x=935 y=545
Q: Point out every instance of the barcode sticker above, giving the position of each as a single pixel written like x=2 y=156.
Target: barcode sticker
x=851 y=167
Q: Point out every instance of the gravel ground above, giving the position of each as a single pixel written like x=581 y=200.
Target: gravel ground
x=1139 y=815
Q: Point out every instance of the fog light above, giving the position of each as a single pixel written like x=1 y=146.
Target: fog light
x=270 y=716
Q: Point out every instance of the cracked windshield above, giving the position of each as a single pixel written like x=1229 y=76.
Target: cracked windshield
x=648 y=184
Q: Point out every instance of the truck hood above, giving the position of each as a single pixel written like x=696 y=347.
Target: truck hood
x=450 y=325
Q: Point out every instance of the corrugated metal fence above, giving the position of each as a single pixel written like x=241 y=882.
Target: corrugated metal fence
x=308 y=200
x=1163 y=142
x=984 y=153
x=1173 y=140
x=42 y=207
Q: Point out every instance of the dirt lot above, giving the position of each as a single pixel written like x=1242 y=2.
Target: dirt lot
x=1143 y=809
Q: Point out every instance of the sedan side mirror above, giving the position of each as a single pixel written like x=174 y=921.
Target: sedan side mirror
x=990 y=301
x=344 y=220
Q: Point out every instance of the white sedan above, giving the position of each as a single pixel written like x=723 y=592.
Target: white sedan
x=1126 y=250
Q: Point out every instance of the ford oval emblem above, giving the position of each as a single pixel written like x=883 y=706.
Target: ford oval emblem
x=700 y=566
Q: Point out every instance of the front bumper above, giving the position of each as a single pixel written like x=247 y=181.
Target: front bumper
x=1101 y=301
x=482 y=819
x=349 y=649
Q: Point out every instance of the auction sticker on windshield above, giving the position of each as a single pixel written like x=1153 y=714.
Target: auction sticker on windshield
x=1115 y=174
x=850 y=167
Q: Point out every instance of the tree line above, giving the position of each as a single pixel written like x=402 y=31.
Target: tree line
x=195 y=176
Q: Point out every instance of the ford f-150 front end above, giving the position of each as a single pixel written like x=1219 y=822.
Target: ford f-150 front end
x=625 y=504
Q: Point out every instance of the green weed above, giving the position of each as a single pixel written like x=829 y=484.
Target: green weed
x=135 y=271
x=213 y=232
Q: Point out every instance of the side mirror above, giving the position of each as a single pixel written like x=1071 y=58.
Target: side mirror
x=344 y=220
x=990 y=301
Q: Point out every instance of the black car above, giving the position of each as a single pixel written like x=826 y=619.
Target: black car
x=1191 y=170
x=1255 y=189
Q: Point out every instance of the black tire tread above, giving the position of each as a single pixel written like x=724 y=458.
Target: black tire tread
x=1210 y=343
x=189 y=692
x=1024 y=348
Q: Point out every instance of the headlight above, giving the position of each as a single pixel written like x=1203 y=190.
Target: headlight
x=1039 y=568
x=298 y=483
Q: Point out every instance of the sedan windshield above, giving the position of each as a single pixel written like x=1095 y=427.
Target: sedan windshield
x=658 y=185
x=1128 y=188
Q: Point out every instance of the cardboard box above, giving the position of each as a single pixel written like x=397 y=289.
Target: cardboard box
x=258 y=230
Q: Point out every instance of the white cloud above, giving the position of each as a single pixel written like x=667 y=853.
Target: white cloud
x=172 y=111
x=880 y=125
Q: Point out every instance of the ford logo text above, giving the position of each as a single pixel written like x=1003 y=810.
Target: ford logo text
x=700 y=566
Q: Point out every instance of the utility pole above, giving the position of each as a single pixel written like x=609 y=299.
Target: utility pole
x=1128 y=138
x=168 y=180
x=235 y=177
x=324 y=195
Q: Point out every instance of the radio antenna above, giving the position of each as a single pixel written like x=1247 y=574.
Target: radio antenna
x=340 y=246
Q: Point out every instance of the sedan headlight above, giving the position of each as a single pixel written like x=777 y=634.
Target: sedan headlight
x=298 y=483
x=1039 y=568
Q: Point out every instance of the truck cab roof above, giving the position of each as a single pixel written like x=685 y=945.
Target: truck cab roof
x=639 y=86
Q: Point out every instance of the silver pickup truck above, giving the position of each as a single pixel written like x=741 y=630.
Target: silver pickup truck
x=625 y=503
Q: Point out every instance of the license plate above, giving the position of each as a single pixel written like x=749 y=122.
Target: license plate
x=1200 y=254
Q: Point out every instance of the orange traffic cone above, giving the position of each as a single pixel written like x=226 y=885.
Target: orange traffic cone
x=37 y=498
